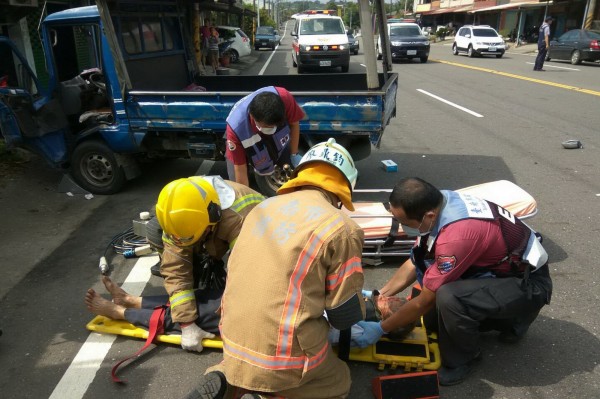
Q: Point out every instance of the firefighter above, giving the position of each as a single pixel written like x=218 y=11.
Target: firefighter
x=197 y=214
x=480 y=268
x=299 y=256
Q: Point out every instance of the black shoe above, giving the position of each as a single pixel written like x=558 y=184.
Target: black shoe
x=212 y=386
x=155 y=270
x=509 y=337
x=451 y=376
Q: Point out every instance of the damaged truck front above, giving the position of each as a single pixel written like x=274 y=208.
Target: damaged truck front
x=123 y=84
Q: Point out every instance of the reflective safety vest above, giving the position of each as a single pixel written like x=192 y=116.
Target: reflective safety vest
x=263 y=151
x=522 y=244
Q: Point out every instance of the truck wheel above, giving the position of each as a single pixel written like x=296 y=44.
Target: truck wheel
x=345 y=68
x=301 y=69
x=268 y=185
x=95 y=168
x=294 y=64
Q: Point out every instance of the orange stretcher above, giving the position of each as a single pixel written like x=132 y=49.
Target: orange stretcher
x=381 y=239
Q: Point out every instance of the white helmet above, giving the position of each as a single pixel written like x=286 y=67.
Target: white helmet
x=334 y=154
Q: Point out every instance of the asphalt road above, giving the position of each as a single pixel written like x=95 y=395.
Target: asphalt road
x=510 y=126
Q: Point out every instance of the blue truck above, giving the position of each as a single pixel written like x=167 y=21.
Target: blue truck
x=123 y=86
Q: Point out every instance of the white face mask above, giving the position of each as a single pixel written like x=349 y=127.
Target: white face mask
x=267 y=130
x=412 y=232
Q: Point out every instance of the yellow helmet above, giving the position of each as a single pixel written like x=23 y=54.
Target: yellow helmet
x=185 y=208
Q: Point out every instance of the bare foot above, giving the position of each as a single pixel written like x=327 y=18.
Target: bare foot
x=119 y=295
x=103 y=307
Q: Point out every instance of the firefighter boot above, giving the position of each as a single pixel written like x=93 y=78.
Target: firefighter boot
x=211 y=386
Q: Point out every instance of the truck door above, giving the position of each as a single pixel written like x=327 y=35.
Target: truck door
x=28 y=118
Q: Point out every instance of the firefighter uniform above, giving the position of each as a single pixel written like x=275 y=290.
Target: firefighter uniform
x=177 y=261
x=296 y=257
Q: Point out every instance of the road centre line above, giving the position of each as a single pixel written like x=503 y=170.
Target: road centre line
x=84 y=367
x=468 y=111
x=512 y=75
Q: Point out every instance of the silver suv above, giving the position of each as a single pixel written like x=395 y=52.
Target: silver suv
x=478 y=40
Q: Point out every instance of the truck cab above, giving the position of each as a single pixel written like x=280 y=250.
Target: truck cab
x=74 y=105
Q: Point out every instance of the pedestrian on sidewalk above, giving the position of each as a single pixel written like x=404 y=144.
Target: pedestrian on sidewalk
x=543 y=44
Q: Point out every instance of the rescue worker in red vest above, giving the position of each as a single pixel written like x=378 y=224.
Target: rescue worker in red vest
x=482 y=268
x=263 y=129
x=197 y=214
x=299 y=256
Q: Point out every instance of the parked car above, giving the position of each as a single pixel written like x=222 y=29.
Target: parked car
x=478 y=40
x=406 y=41
x=353 y=43
x=266 y=36
x=241 y=42
x=576 y=45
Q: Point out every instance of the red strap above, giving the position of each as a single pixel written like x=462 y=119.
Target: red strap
x=155 y=328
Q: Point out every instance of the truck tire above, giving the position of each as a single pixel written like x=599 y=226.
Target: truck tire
x=268 y=185
x=294 y=64
x=95 y=168
x=345 y=68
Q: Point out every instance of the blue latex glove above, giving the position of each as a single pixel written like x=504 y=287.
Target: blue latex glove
x=367 y=294
x=296 y=158
x=372 y=331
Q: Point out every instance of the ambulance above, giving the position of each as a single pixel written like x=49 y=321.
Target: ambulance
x=320 y=41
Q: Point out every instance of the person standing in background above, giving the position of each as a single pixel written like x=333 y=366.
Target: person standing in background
x=543 y=44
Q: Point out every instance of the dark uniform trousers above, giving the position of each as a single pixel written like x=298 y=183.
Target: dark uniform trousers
x=467 y=307
x=207 y=303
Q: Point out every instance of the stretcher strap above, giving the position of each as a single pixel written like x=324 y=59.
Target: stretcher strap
x=391 y=238
x=344 y=344
x=156 y=327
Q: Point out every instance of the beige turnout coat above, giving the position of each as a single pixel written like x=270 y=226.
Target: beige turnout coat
x=177 y=262
x=296 y=256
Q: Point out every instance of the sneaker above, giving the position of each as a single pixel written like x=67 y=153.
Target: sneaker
x=212 y=386
x=451 y=376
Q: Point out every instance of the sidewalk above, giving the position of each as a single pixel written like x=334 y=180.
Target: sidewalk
x=529 y=48
x=233 y=68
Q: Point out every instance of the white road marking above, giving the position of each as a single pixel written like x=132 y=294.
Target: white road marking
x=554 y=66
x=264 y=68
x=468 y=111
x=82 y=371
